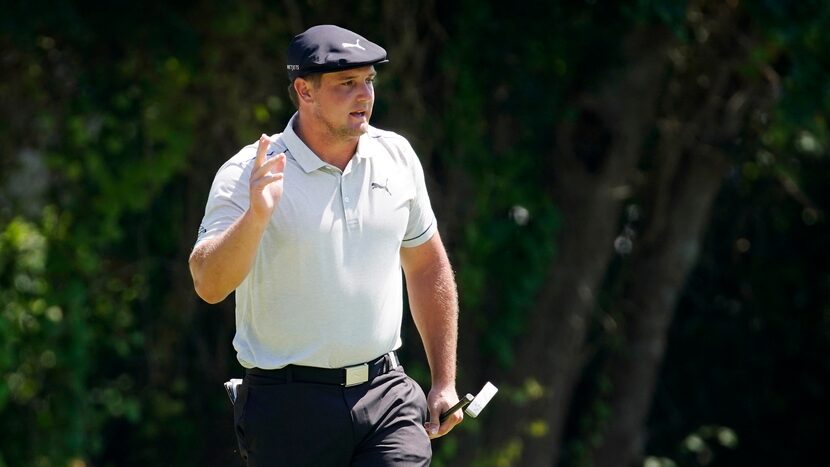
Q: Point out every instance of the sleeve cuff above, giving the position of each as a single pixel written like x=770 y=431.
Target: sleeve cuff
x=420 y=238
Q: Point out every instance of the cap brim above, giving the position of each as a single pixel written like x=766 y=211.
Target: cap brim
x=328 y=68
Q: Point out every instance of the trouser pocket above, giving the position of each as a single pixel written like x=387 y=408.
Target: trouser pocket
x=239 y=418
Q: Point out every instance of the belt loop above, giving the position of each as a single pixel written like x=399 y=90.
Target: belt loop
x=392 y=361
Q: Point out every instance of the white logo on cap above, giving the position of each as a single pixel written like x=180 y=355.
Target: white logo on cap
x=356 y=45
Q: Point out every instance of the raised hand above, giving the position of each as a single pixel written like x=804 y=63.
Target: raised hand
x=266 y=182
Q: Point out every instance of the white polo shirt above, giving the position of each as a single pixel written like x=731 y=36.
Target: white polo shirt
x=325 y=289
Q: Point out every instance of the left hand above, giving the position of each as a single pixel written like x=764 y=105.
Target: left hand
x=438 y=401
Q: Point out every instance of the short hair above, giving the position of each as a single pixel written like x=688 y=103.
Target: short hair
x=313 y=78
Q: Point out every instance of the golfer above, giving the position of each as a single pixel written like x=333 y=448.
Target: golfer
x=312 y=228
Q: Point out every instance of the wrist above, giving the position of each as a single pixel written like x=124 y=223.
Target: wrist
x=257 y=219
x=442 y=384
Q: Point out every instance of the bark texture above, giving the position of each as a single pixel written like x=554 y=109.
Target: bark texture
x=692 y=155
x=658 y=276
x=592 y=169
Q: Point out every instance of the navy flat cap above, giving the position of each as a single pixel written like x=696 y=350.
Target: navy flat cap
x=327 y=48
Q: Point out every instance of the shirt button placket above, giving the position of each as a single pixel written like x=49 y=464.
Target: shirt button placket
x=349 y=208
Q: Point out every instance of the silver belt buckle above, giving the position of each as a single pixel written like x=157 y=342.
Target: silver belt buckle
x=357 y=374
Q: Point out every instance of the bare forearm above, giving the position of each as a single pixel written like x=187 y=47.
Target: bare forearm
x=220 y=264
x=433 y=299
x=434 y=302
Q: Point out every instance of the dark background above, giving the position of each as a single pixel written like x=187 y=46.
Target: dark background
x=631 y=194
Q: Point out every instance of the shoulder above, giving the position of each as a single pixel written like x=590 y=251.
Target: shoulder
x=387 y=137
x=392 y=143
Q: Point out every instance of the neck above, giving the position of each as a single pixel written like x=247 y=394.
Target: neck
x=331 y=149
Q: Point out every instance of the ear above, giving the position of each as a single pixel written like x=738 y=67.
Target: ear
x=305 y=90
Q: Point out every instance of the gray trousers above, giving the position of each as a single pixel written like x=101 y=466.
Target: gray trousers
x=378 y=423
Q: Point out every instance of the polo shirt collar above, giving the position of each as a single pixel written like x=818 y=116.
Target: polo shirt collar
x=364 y=144
x=306 y=157
x=302 y=154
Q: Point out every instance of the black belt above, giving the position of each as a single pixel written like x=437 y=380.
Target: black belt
x=347 y=376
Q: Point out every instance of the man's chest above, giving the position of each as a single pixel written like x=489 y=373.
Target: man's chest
x=371 y=199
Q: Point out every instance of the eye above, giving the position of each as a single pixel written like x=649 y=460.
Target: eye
x=349 y=82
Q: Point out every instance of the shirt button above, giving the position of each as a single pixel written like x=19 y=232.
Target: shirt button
x=347 y=199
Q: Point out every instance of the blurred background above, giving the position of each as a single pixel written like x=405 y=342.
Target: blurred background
x=630 y=192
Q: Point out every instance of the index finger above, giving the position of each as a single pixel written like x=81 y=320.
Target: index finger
x=264 y=142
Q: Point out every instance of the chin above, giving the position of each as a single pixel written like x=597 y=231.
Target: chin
x=363 y=128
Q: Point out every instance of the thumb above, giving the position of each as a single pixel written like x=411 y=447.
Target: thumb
x=434 y=422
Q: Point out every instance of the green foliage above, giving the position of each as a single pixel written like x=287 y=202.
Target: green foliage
x=131 y=107
x=49 y=342
x=119 y=130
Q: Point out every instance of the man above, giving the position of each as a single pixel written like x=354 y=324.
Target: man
x=312 y=228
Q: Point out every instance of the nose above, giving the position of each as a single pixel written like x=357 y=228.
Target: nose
x=366 y=92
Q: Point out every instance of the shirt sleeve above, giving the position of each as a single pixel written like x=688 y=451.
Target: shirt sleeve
x=228 y=198
x=422 y=223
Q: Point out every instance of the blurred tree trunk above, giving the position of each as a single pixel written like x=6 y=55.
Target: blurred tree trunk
x=592 y=168
x=657 y=277
x=712 y=98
